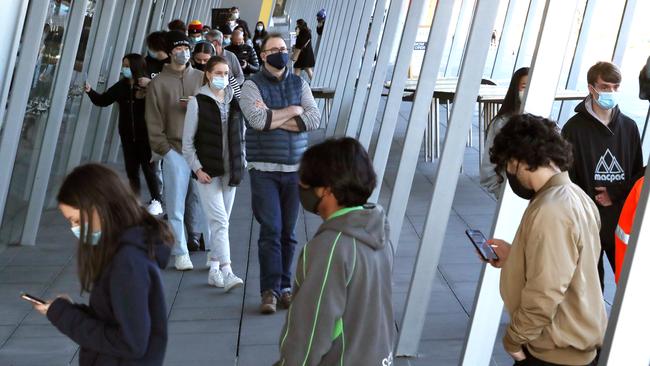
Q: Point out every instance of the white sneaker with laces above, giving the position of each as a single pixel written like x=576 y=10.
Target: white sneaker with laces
x=183 y=262
x=215 y=278
x=155 y=208
x=230 y=281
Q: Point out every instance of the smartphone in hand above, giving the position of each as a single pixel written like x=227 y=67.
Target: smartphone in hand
x=481 y=245
x=32 y=299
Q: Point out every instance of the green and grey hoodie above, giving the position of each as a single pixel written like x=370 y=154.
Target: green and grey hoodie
x=341 y=312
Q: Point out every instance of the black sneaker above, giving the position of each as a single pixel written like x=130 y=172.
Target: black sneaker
x=194 y=242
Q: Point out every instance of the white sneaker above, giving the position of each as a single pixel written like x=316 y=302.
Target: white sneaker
x=215 y=278
x=155 y=208
x=183 y=262
x=230 y=281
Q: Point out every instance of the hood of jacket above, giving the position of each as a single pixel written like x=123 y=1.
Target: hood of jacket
x=581 y=108
x=367 y=225
x=137 y=237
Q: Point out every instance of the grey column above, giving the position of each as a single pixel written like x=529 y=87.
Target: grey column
x=546 y=67
x=53 y=124
x=24 y=72
x=624 y=32
x=348 y=67
x=377 y=83
x=418 y=119
x=113 y=76
x=446 y=178
x=394 y=102
x=326 y=44
x=628 y=320
x=8 y=68
x=141 y=27
x=156 y=20
x=185 y=10
x=353 y=116
x=94 y=69
x=342 y=14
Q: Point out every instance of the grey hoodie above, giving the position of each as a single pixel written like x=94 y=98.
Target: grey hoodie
x=489 y=178
x=341 y=312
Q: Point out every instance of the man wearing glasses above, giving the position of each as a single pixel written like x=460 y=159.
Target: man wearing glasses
x=606 y=150
x=279 y=109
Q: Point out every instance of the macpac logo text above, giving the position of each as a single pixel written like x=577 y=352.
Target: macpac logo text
x=608 y=169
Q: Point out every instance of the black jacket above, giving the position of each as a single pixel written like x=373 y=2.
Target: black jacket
x=126 y=320
x=155 y=66
x=209 y=137
x=131 y=126
x=246 y=53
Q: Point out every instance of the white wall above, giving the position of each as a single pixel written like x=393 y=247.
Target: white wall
x=249 y=10
x=12 y=17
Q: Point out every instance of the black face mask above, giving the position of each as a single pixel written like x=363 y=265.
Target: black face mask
x=518 y=188
x=199 y=66
x=278 y=60
x=309 y=200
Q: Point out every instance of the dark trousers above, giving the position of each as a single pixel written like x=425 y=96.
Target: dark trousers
x=608 y=221
x=137 y=155
x=532 y=361
x=276 y=204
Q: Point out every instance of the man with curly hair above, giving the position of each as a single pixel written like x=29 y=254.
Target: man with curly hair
x=549 y=275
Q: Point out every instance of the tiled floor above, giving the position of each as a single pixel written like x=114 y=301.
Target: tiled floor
x=209 y=327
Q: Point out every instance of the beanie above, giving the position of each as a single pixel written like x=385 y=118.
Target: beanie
x=175 y=39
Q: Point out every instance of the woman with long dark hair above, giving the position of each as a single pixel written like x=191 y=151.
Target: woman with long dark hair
x=511 y=106
x=258 y=37
x=213 y=146
x=129 y=93
x=303 y=56
x=121 y=250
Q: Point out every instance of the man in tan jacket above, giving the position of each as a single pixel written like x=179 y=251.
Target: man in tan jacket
x=549 y=275
x=166 y=104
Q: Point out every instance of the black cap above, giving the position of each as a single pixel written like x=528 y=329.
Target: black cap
x=175 y=39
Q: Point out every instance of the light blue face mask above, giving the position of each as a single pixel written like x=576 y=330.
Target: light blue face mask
x=94 y=237
x=219 y=82
x=226 y=42
x=126 y=72
x=607 y=100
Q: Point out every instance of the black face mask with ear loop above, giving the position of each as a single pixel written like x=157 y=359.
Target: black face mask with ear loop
x=309 y=200
x=518 y=188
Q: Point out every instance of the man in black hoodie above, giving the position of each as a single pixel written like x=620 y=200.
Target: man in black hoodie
x=606 y=150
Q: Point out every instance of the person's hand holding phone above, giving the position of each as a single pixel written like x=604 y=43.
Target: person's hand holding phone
x=87 y=87
x=43 y=308
x=502 y=249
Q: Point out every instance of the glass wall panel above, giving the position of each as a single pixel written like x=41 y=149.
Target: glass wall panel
x=36 y=115
x=509 y=40
x=496 y=36
x=75 y=95
x=636 y=55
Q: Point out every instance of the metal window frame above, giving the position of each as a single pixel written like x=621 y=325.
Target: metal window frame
x=530 y=32
x=94 y=69
x=417 y=122
x=168 y=13
x=8 y=71
x=624 y=30
x=185 y=11
x=326 y=43
x=17 y=103
x=141 y=27
x=446 y=179
x=345 y=75
x=353 y=115
x=368 y=114
x=557 y=22
x=156 y=20
x=106 y=114
x=394 y=102
x=53 y=124
x=459 y=40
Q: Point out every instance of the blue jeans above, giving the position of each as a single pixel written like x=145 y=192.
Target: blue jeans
x=276 y=202
x=179 y=200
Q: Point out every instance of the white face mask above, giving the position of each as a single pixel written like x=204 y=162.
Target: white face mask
x=236 y=15
x=259 y=28
x=521 y=95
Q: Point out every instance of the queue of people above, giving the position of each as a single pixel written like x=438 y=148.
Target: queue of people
x=203 y=109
